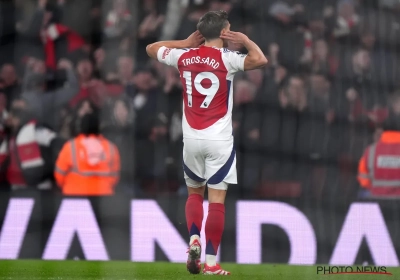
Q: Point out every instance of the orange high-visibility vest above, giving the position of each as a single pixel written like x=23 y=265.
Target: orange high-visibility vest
x=379 y=168
x=88 y=166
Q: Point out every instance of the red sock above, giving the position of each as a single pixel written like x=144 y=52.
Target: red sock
x=214 y=227
x=194 y=214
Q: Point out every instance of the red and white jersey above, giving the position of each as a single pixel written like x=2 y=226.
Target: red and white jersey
x=207 y=75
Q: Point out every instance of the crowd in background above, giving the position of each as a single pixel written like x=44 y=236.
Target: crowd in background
x=300 y=125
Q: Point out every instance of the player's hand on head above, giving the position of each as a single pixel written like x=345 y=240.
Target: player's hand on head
x=236 y=38
x=195 y=39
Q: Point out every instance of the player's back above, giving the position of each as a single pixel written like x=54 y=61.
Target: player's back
x=207 y=74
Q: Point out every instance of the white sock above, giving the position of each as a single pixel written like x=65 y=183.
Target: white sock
x=193 y=238
x=211 y=260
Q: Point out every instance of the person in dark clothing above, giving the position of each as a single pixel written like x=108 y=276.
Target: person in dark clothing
x=46 y=104
x=246 y=123
x=118 y=127
x=169 y=118
x=11 y=85
x=150 y=26
x=73 y=120
x=150 y=135
x=29 y=151
x=118 y=28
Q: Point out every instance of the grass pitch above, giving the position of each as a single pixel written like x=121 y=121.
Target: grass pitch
x=84 y=270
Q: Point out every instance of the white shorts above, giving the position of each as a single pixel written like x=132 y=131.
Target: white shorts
x=209 y=162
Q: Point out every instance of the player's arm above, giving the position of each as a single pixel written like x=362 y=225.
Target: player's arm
x=255 y=58
x=193 y=41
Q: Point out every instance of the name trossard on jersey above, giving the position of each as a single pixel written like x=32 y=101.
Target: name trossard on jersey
x=206 y=74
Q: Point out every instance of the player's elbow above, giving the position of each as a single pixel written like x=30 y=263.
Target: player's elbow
x=262 y=61
x=255 y=62
x=150 y=49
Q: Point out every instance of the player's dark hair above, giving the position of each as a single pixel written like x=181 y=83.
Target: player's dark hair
x=211 y=24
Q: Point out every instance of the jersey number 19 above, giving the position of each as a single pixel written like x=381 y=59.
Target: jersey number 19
x=208 y=92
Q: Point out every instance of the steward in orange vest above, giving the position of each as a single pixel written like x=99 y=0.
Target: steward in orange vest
x=379 y=168
x=89 y=164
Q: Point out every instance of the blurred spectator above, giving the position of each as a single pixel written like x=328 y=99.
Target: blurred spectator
x=391 y=112
x=293 y=95
x=119 y=78
x=317 y=22
x=275 y=75
x=381 y=58
x=118 y=127
x=85 y=71
x=347 y=22
x=145 y=84
x=65 y=120
x=179 y=13
x=322 y=59
x=3 y=117
x=392 y=4
x=89 y=164
x=273 y=52
x=125 y=74
x=61 y=42
x=192 y=11
x=170 y=105
x=105 y=66
x=100 y=61
x=323 y=134
x=224 y=5
x=3 y=111
x=71 y=120
x=256 y=78
x=359 y=86
x=150 y=24
x=85 y=75
x=119 y=26
x=246 y=123
x=168 y=125
x=8 y=15
x=46 y=105
x=320 y=97
x=172 y=20
x=394 y=109
x=90 y=88
x=323 y=96
x=46 y=38
x=10 y=84
x=3 y=102
x=28 y=153
x=368 y=39
x=149 y=128
x=84 y=17
x=289 y=33
x=280 y=138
